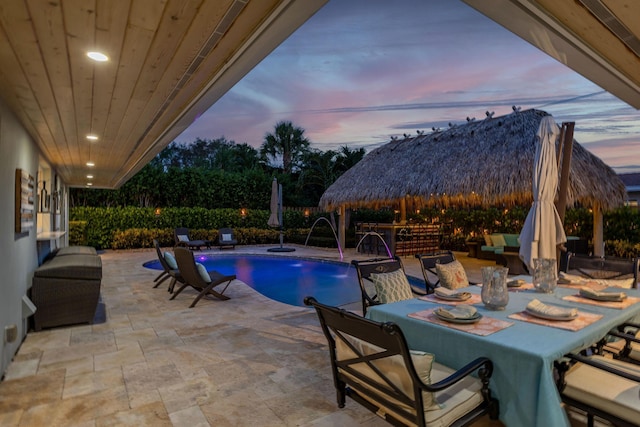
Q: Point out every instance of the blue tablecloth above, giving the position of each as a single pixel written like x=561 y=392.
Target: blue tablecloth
x=523 y=353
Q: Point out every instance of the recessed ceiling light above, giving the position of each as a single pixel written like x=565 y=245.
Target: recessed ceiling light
x=98 y=56
x=90 y=176
x=89 y=183
x=92 y=137
x=91 y=164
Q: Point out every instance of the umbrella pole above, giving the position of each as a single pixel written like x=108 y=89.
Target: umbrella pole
x=280 y=213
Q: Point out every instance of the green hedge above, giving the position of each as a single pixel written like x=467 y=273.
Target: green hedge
x=143 y=237
x=130 y=227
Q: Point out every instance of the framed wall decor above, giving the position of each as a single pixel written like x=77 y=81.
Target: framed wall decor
x=25 y=201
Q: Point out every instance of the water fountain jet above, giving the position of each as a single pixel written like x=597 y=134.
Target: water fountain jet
x=332 y=229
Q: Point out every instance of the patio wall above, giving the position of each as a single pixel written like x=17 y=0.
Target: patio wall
x=18 y=252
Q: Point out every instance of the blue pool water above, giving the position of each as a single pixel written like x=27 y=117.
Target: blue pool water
x=286 y=279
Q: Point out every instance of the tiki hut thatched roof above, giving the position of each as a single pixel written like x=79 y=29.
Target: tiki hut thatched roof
x=481 y=163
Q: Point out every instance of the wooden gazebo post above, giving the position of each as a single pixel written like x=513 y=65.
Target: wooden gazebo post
x=564 y=160
x=598 y=230
x=342 y=226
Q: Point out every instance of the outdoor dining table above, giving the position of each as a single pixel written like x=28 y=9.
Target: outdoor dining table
x=522 y=352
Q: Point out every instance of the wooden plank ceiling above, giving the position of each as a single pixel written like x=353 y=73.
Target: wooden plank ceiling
x=599 y=39
x=172 y=59
x=169 y=60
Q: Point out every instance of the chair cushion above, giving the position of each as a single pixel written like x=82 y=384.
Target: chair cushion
x=183 y=238
x=202 y=270
x=511 y=239
x=77 y=266
x=171 y=260
x=393 y=367
x=452 y=275
x=498 y=240
x=226 y=236
x=75 y=250
x=619 y=397
x=392 y=286
x=618 y=345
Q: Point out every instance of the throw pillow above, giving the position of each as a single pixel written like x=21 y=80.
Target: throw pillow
x=452 y=275
x=498 y=240
x=226 y=236
x=487 y=240
x=171 y=260
x=391 y=287
x=393 y=367
x=183 y=238
x=202 y=270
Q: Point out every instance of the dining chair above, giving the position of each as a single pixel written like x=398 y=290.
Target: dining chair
x=623 y=343
x=365 y=268
x=428 y=266
x=603 y=268
x=602 y=387
x=372 y=365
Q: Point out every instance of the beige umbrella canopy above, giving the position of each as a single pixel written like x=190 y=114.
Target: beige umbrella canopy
x=481 y=163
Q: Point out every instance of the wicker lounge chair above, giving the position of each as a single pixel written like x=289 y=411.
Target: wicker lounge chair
x=194 y=277
x=168 y=270
x=181 y=235
x=227 y=238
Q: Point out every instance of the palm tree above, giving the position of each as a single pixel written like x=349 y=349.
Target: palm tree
x=286 y=142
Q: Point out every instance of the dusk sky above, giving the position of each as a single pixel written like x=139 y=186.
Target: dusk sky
x=361 y=71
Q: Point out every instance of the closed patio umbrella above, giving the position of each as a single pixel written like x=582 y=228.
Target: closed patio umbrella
x=273 y=217
x=543 y=230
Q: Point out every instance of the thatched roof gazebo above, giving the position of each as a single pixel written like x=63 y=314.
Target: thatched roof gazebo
x=481 y=163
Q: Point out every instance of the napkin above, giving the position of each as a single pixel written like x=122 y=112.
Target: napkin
x=536 y=306
x=451 y=293
x=460 y=312
x=566 y=279
x=515 y=283
x=602 y=296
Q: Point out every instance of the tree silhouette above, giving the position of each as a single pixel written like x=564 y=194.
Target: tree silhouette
x=288 y=143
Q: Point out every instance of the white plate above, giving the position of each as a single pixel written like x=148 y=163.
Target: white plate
x=473 y=319
x=455 y=297
x=549 y=317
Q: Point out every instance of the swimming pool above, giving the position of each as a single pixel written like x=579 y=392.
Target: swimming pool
x=288 y=279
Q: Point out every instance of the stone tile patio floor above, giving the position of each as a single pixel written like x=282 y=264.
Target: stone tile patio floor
x=248 y=361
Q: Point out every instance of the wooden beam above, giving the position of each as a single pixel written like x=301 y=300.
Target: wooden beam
x=565 y=166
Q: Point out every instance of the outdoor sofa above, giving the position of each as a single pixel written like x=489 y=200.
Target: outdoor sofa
x=66 y=288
